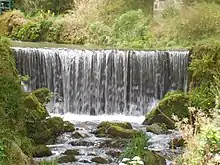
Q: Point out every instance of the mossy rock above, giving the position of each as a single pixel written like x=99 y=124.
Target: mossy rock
x=43 y=95
x=103 y=127
x=157 y=128
x=15 y=155
x=41 y=151
x=116 y=131
x=69 y=127
x=56 y=125
x=66 y=159
x=177 y=142
x=39 y=132
x=174 y=103
x=151 y=158
x=76 y=135
x=99 y=160
x=71 y=152
x=38 y=111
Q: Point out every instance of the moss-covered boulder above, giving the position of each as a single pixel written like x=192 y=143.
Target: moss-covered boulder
x=71 y=152
x=56 y=125
x=41 y=151
x=37 y=110
x=15 y=154
x=174 y=103
x=66 y=159
x=116 y=131
x=69 y=127
x=151 y=158
x=157 y=128
x=102 y=128
x=99 y=160
x=43 y=95
x=76 y=135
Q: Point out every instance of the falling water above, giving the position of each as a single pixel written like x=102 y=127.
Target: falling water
x=103 y=81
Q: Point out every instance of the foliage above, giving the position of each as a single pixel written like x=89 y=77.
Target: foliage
x=202 y=139
x=136 y=147
x=45 y=162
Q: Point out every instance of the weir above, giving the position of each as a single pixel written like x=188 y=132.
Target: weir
x=100 y=82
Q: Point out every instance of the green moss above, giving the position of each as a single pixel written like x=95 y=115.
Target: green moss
x=41 y=151
x=56 y=125
x=157 y=128
x=68 y=127
x=99 y=160
x=116 y=131
x=43 y=95
x=71 y=152
x=37 y=111
x=103 y=127
x=174 y=103
x=66 y=159
x=151 y=158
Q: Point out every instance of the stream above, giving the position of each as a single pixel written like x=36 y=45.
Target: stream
x=90 y=146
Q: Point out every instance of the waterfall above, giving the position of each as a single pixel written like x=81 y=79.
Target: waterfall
x=103 y=81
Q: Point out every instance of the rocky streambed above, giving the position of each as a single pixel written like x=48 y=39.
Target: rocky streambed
x=87 y=145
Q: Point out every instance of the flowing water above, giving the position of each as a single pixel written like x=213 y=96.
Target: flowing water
x=96 y=82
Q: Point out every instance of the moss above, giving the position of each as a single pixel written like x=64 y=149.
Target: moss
x=56 y=125
x=43 y=95
x=99 y=160
x=103 y=126
x=66 y=159
x=68 y=127
x=116 y=131
x=157 y=128
x=41 y=151
x=71 y=152
x=37 y=110
x=151 y=158
x=172 y=104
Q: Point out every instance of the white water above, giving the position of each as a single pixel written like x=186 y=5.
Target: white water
x=99 y=118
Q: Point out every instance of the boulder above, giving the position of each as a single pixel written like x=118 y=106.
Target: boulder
x=116 y=131
x=113 y=153
x=66 y=159
x=157 y=128
x=174 y=103
x=103 y=127
x=36 y=110
x=71 y=152
x=69 y=127
x=41 y=151
x=151 y=158
x=99 y=160
x=56 y=125
x=16 y=155
x=82 y=143
x=76 y=135
x=43 y=95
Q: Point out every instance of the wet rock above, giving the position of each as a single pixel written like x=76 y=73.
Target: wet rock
x=173 y=103
x=116 y=131
x=113 y=153
x=81 y=143
x=76 y=135
x=91 y=154
x=84 y=161
x=151 y=158
x=41 y=151
x=177 y=142
x=114 y=143
x=157 y=128
x=99 y=160
x=66 y=159
x=71 y=152
x=56 y=125
x=68 y=127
